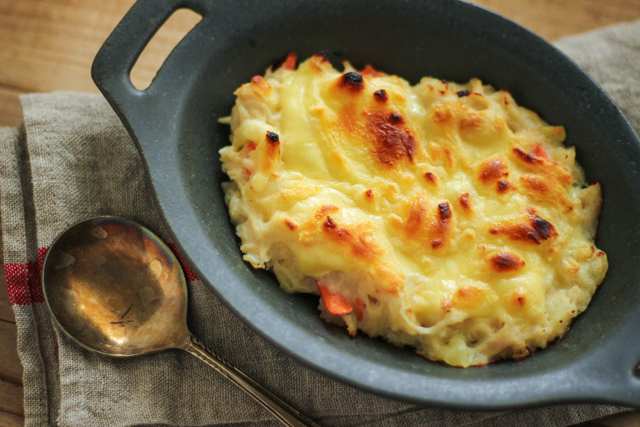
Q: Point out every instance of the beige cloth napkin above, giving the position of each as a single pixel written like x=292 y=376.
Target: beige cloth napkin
x=72 y=159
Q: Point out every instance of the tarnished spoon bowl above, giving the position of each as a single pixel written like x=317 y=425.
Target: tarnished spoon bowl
x=116 y=289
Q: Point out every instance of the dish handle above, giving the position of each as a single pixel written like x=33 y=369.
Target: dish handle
x=627 y=393
x=112 y=65
x=610 y=375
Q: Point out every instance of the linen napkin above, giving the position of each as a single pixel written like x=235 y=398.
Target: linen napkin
x=72 y=159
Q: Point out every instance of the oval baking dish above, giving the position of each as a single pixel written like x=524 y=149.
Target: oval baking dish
x=173 y=123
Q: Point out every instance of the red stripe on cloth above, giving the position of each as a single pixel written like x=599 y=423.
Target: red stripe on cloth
x=24 y=284
x=188 y=272
x=24 y=280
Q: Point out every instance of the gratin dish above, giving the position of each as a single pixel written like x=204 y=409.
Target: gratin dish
x=173 y=123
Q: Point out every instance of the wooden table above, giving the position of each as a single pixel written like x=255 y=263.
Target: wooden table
x=48 y=45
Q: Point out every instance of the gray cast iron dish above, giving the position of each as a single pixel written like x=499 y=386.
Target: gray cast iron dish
x=173 y=123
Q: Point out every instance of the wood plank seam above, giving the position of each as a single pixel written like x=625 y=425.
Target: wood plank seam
x=10 y=420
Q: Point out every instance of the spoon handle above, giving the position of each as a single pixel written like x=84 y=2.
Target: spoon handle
x=278 y=408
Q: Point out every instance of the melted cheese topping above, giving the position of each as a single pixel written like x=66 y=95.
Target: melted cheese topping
x=440 y=216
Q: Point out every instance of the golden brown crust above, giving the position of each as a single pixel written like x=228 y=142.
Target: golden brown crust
x=527 y=227
x=392 y=139
x=440 y=216
x=429 y=224
x=381 y=95
x=465 y=202
x=543 y=166
x=506 y=262
x=493 y=169
x=351 y=82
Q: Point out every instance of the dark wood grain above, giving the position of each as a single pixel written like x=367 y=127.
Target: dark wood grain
x=553 y=19
x=11 y=399
x=10 y=111
x=10 y=420
x=10 y=366
x=6 y=312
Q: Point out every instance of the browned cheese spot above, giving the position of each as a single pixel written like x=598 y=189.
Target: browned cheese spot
x=472 y=121
x=324 y=210
x=527 y=157
x=289 y=222
x=392 y=138
x=518 y=299
x=427 y=226
x=465 y=202
x=381 y=95
x=352 y=82
x=323 y=56
x=358 y=241
x=502 y=186
x=469 y=296
x=529 y=228
x=468 y=292
x=535 y=183
x=505 y=262
x=445 y=211
x=448 y=152
x=442 y=115
x=446 y=304
x=272 y=152
x=273 y=138
x=369 y=194
x=543 y=166
x=548 y=187
x=329 y=223
x=431 y=177
x=417 y=216
x=493 y=169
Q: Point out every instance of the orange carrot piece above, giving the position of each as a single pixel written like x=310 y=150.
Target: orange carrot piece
x=290 y=62
x=261 y=83
x=336 y=303
x=369 y=71
x=540 y=152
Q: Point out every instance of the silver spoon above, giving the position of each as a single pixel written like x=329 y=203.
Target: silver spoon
x=116 y=289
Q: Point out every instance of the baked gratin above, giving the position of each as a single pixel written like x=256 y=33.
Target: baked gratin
x=440 y=216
